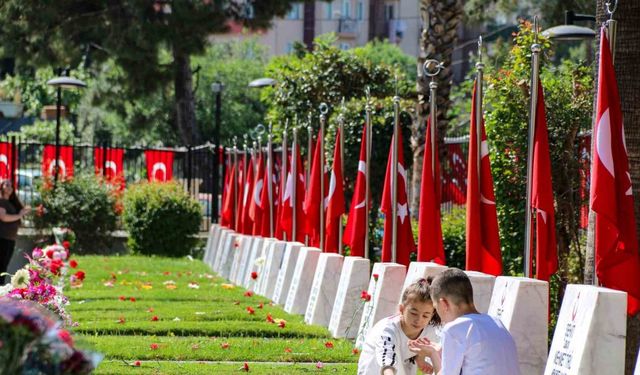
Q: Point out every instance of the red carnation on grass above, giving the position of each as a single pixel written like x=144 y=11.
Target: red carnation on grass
x=248 y=293
x=150 y=309
x=260 y=305
x=375 y=276
x=224 y=345
x=121 y=320
x=287 y=350
x=154 y=346
x=270 y=318
x=66 y=244
x=154 y=318
x=282 y=324
x=319 y=365
x=132 y=299
x=254 y=275
x=49 y=254
x=328 y=345
x=55 y=266
x=250 y=310
x=122 y=298
x=80 y=275
x=365 y=296
x=355 y=351
x=73 y=263
x=136 y=363
x=65 y=336
x=245 y=367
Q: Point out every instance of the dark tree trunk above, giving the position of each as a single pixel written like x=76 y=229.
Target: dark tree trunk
x=627 y=55
x=185 y=112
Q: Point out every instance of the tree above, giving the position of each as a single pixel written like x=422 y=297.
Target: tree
x=440 y=20
x=133 y=33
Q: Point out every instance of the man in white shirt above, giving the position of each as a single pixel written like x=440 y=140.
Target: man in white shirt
x=472 y=343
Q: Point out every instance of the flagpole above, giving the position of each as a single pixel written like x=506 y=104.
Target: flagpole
x=309 y=162
x=535 y=66
x=478 y=112
x=283 y=173
x=394 y=176
x=235 y=180
x=367 y=146
x=341 y=166
x=294 y=178
x=612 y=28
x=270 y=179
x=324 y=108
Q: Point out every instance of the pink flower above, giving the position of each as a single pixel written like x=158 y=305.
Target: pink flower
x=36 y=253
x=319 y=365
x=65 y=336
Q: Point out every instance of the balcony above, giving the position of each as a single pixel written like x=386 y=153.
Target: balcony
x=348 y=28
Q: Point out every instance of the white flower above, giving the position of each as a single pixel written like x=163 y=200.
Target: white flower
x=190 y=257
x=194 y=286
x=21 y=279
x=260 y=261
x=176 y=319
x=5 y=289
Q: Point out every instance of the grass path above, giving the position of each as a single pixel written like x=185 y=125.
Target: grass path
x=175 y=316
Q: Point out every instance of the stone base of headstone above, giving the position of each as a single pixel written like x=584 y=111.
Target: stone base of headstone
x=347 y=308
x=385 y=286
x=419 y=270
x=300 y=288
x=589 y=338
x=289 y=261
x=324 y=289
x=222 y=246
x=482 y=289
x=522 y=304
x=271 y=268
x=255 y=253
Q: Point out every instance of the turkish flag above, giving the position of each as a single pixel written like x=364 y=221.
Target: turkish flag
x=65 y=162
x=287 y=200
x=159 y=165
x=334 y=202
x=242 y=167
x=266 y=204
x=6 y=160
x=454 y=179
x=355 y=230
x=483 y=238
x=228 y=206
x=247 y=194
x=226 y=216
x=542 y=197
x=282 y=180
x=255 y=205
x=616 y=242
x=313 y=197
x=113 y=167
x=430 y=247
x=405 y=243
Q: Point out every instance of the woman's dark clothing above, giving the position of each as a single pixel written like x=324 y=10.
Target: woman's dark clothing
x=8 y=234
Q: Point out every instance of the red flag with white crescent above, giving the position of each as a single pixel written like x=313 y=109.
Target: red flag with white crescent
x=355 y=230
x=255 y=207
x=159 y=165
x=287 y=200
x=616 y=242
x=6 y=160
x=334 y=201
x=312 y=198
x=247 y=198
x=65 y=162
x=111 y=167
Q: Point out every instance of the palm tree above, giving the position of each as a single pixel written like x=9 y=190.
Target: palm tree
x=440 y=21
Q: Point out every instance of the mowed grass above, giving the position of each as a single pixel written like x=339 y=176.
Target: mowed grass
x=162 y=311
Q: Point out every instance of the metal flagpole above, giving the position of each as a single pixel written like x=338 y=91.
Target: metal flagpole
x=324 y=108
x=270 y=179
x=432 y=68
x=478 y=111
x=294 y=178
x=612 y=28
x=367 y=146
x=535 y=65
x=235 y=179
x=309 y=162
x=341 y=130
x=394 y=176
x=283 y=173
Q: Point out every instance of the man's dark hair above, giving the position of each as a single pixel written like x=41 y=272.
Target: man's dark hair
x=453 y=284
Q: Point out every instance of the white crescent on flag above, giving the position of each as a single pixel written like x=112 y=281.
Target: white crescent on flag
x=362 y=168
x=288 y=190
x=257 y=193
x=4 y=160
x=159 y=166
x=403 y=209
x=603 y=143
x=110 y=164
x=246 y=193
x=332 y=189
x=61 y=166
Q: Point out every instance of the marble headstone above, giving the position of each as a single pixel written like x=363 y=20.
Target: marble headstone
x=230 y=251
x=259 y=264
x=418 y=270
x=324 y=289
x=482 y=289
x=215 y=240
x=255 y=253
x=238 y=253
x=271 y=268
x=347 y=308
x=522 y=304
x=223 y=244
x=590 y=334
x=385 y=286
x=300 y=288
x=245 y=249
x=208 y=249
x=289 y=261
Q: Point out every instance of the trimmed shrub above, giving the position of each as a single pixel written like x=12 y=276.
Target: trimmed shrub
x=84 y=204
x=454 y=237
x=161 y=219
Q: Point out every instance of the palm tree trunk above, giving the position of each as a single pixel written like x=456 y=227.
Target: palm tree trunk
x=440 y=21
x=627 y=55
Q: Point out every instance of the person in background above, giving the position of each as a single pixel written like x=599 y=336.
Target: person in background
x=11 y=213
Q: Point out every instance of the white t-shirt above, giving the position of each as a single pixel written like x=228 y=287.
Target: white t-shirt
x=387 y=346
x=478 y=344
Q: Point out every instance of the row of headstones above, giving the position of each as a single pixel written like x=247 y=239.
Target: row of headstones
x=327 y=289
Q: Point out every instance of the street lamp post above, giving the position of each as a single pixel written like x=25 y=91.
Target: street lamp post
x=61 y=82
x=217 y=88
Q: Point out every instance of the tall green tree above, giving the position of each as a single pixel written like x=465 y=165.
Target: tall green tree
x=133 y=33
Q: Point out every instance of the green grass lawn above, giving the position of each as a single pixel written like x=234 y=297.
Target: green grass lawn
x=175 y=316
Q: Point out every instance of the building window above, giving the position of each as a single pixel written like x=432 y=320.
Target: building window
x=346 y=8
x=360 y=11
x=329 y=11
x=389 y=11
x=295 y=12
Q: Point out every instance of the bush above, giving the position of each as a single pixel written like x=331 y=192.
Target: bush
x=454 y=237
x=84 y=204
x=161 y=219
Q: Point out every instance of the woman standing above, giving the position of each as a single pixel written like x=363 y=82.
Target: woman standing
x=11 y=212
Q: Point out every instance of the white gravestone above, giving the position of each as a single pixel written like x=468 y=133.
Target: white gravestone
x=244 y=250
x=215 y=240
x=482 y=289
x=323 y=289
x=384 y=296
x=289 y=261
x=238 y=251
x=637 y=371
x=420 y=270
x=230 y=250
x=255 y=253
x=347 y=308
x=590 y=335
x=208 y=249
x=220 y=248
x=300 y=288
x=271 y=268
x=522 y=304
x=259 y=264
